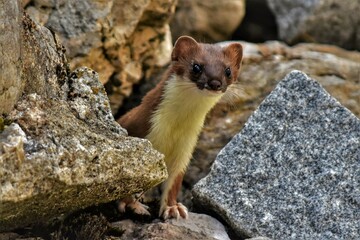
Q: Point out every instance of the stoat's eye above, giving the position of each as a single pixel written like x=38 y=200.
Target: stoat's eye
x=196 y=68
x=228 y=72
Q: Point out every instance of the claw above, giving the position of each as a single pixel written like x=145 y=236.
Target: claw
x=136 y=206
x=175 y=211
x=139 y=208
x=122 y=206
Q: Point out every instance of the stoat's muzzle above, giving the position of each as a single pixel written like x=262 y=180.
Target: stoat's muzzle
x=213 y=85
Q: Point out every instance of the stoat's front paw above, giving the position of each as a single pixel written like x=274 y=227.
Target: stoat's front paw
x=135 y=206
x=175 y=211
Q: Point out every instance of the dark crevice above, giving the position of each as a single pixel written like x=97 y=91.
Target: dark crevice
x=259 y=24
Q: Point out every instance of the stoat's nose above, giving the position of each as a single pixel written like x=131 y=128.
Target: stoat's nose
x=214 y=85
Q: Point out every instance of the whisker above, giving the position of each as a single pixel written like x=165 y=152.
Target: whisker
x=234 y=96
x=235 y=92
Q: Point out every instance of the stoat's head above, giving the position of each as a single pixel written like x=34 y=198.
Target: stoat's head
x=210 y=67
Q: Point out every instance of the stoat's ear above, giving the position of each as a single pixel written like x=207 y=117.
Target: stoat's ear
x=234 y=51
x=184 y=46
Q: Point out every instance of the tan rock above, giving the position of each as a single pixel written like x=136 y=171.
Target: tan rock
x=121 y=40
x=25 y=2
x=207 y=21
x=95 y=59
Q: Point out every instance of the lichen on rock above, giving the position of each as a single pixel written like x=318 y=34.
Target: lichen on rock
x=63 y=163
x=63 y=151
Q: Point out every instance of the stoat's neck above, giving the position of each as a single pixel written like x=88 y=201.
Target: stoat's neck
x=177 y=122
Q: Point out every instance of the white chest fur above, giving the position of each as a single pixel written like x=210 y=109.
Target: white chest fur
x=177 y=122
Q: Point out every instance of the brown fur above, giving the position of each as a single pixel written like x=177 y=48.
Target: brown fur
x=215 y=56
x=214 y=60
x=175 y=190
x=137 y=121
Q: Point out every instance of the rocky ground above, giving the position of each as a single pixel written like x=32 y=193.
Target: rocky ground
x=61 y=151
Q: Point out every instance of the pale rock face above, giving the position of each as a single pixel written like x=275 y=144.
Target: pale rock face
x=321 y=21
x=10 y=78
x=207 y=21
x=196 y=227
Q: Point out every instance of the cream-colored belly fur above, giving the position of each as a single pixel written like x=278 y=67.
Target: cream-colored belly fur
x=177 y=122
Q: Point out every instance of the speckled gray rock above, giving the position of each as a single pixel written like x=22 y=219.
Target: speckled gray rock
x=293 y=172
x=322 y=21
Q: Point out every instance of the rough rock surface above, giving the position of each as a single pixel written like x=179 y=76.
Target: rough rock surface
x=198 y=226
x=10 y=78
x=63 y=150
x=207 y=21
x=320 y=21
x=58 y=156
x=293 y=171
x=121 y=40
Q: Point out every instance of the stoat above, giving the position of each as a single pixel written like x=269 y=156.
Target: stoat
x=172 y=114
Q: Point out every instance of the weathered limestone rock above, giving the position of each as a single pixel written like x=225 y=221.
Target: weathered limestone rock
x=207 y=21
x=10 y=78
x=320 y=21
x=121 y=40
x=198 y=226
x=63 y=151
x=293 y=171
x=59 y=156
x=26 y=58
x=44 y=66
